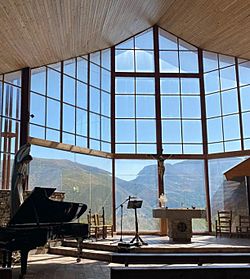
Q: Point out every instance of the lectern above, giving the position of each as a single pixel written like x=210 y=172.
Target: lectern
x=134 y=204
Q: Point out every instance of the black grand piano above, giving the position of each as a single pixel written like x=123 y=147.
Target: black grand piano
x=37 y=219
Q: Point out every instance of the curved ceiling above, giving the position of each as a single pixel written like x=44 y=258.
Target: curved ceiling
x=39 y=32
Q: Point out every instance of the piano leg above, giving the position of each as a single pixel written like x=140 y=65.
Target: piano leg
x=79 y=249
x=24 y=261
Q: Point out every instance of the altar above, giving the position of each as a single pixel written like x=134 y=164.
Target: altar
x=179 y=222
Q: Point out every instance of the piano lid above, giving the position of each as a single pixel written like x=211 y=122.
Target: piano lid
x=38 y=209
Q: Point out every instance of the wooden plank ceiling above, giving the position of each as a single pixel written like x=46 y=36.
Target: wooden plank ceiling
x=39 y=32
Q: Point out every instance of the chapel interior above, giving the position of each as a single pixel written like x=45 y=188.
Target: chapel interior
x=125 y=127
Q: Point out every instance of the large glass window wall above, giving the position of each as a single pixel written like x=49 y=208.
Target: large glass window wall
x=149 y=104
x=70 y=102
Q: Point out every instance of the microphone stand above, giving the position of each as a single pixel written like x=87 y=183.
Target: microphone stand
x=121 y=206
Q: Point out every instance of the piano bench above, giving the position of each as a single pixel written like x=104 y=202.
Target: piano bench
x=6 y=273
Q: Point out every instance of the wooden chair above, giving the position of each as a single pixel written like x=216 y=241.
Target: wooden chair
x=244 y=226
x=107 y=228
x=94 y=229
x=224 y=223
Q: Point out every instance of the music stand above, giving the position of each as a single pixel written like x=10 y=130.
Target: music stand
x=134 y=204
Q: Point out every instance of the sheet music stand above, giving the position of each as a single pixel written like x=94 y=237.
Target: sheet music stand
x=134 y=204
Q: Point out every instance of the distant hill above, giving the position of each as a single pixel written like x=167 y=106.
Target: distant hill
x=93 y=186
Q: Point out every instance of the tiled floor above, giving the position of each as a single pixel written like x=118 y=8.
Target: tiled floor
x=45 y=266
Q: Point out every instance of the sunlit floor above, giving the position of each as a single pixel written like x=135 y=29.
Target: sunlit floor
x=49 y=266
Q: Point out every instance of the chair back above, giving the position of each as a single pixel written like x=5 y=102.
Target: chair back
x=225 y=218
x=244 y=221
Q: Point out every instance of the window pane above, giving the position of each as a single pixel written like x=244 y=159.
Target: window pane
x=12 y=98
x=105 y=104
x=140 y=172
x=38 y=77
x=146 y=148
x=191 y=107
x=95 y=99
x=231 y=127
x=52 y=135
x=124 y=61
x=172 y=148
x=170 y=106
x=211 y=82
x=145 y=86
x=213 y=106
x=214 y=130
x=125 y=148
x=68 y=118
x=186 y=46
x=144 y=40
x=232 y=145
x=245 y=98
x=81 y=122
x=215 y=147
x=54 y=84
x=37 y=132
x=225 y=61
x=95 y=75
x=192 y=149
x=105 y=59
x=171 y=131
x=169 y=62
x=94 y=144
x=69 y=67
x=106 y=130
x=188 y=62
x=95 y=122
x=82 y=69
x=229 y=101
x=144 y=61
x=125 y=106
x=124 y=85
x=244 y=73
x=106 y=79
x=228 y=78
x=192 y=131
x=246 y=144
x=68 y=90
x=146 y=131
x=81 y=141
x=180 y=188
x=145 y=106
x=37 y=108
x=245 y=123
x=15 y=77
x=106 y=147
x=53 y=114
x=55 y=66
x=167 y=41
x=190 y=86
x=125 y=131
x=129 y=44
x=225 y=194
x=170 y=86
x=210 y=61
x=95 y=57
x=81 y=95
x=68 y=138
